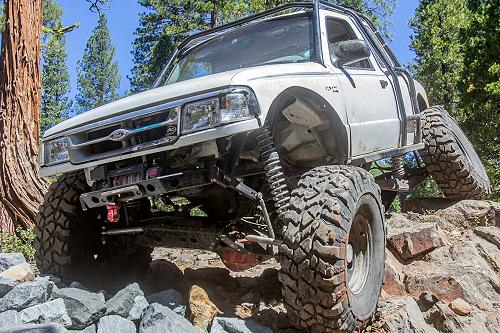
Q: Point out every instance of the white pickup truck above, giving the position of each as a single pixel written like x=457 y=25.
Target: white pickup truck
x=267 y=128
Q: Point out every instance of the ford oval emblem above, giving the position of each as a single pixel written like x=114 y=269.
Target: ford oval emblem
x=119 y=134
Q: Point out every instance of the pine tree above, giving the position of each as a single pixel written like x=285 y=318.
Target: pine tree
x=55 y=77
x=98 y=74
x=165 y=23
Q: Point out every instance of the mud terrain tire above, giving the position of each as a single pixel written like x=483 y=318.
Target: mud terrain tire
x=67 y=239
x=332 y=258
x=450 y=157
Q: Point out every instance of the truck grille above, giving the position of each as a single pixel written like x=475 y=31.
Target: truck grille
x=122 y=134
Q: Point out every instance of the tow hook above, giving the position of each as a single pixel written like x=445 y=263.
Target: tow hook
x=113 y=213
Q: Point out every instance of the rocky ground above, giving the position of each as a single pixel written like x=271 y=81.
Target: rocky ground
x=442 y=275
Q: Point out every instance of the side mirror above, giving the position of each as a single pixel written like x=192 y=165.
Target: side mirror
x=349 y=51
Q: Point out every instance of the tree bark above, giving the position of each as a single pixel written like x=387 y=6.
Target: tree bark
x=21 y=188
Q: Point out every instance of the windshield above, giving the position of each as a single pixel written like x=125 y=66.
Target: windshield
x=280 y=40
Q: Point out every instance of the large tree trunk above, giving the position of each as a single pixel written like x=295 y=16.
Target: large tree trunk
x=21 y=188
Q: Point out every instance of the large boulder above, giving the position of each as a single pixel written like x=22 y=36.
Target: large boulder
x=84 y=308
x=492 y=234
x=456 y=271
x=237 y=325
x=6 y=285
x=171 y=298
x=123 y=301
x=158 y=318
x=393 y=275
x=10 y=318
x=22 y=273
x=26 y=294
x=467 y=213
x=202 y=309
x=50 y=312
x=35 y=328
x=411 y=240
x=114 y=323
x=140 y=304
x=8 y=260
x=401 y=314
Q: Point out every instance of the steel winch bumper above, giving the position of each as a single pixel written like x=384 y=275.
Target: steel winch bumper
x=147 y=188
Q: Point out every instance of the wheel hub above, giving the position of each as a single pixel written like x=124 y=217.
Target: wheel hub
x=358 y=254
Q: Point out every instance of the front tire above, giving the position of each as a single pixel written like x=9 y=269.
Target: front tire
x=67 y=240
x=333 y=253
x=450 y=157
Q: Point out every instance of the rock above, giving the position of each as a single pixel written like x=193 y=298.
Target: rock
x=8 y=260
x=454 y=271
x=471 y=213
x=123 y=301
x=393 y=275
x=6 y=285
x=114 y=323
x=78 y=285
x=170 y=298
x=140 y=304
x=445 y=320
x=460 y=307
x=22 y=272
x=10 y=318
x=158 y=318
x=89 y=329
x=26 y=294
x=36 y=328
x=201 y=308
x=411 y=240
x=51 y=278
x=237 y=325
x=401 y=314
x=84 y=308
x=491 y=234
x=49 y=312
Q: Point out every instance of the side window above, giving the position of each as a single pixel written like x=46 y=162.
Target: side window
x=338 y=31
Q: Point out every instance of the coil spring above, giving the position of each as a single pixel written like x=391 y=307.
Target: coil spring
x=398 y=167
x=274 y=171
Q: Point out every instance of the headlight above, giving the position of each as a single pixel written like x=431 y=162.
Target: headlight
x=237 y=105
x=55 y=151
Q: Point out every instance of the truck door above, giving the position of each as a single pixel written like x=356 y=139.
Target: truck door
x=368 y=96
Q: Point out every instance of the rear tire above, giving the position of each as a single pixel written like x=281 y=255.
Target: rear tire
x=450 y=157
x=333 y=255
x=67 y=239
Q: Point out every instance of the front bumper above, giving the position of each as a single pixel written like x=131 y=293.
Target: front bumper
x=183 y=141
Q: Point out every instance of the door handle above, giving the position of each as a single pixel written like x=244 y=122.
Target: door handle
x=384 y=84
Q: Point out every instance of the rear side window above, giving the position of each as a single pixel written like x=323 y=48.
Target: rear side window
x=338 y=31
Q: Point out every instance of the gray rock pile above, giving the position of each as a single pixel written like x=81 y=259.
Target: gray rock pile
x=45 y=305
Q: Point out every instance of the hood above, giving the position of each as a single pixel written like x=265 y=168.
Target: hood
x=146 y=99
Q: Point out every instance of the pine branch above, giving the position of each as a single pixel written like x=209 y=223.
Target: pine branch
x=60 y=31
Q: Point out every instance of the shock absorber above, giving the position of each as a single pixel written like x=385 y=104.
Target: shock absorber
x=398 y=167
x=274 y=171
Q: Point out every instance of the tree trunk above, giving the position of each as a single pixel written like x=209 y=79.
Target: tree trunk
x=21 y=188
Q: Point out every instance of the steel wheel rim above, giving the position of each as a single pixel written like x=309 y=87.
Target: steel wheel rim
x=358 y=254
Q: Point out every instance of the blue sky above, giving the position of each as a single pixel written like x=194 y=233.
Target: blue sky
x=123 y=19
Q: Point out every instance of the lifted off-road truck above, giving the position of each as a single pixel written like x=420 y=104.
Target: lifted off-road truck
x=269 y=127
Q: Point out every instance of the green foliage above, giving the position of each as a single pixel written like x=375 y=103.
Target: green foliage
x=457 y=46
x=98 y=74
x=165 y=23
x=21 y=241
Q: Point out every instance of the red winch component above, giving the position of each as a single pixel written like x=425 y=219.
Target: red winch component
x=113 y=213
